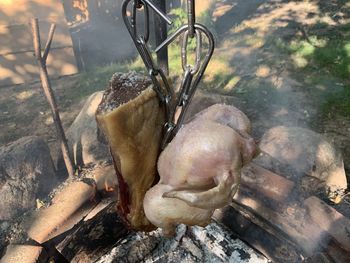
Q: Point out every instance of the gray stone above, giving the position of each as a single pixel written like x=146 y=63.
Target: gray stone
x=83 y=135
x=26 y=173
x=308 y=154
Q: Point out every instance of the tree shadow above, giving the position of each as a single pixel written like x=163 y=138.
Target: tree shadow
x=17 y=62
x=240 y=11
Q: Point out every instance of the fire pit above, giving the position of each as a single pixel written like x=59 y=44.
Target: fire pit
x=185 y=180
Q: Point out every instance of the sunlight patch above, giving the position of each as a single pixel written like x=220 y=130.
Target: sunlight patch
x=232 y=83
x=24 y=95
x=263 y=71
x=7 y=2
x=217 y=69
x=299 y=61
x=347 y=49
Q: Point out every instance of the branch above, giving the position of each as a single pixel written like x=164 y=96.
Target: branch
x=49 y=41
x=36 y=38
x=46 y=85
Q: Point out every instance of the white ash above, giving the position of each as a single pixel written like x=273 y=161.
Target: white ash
x=213 y=243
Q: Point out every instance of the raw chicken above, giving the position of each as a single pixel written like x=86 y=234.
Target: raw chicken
x=200 y=169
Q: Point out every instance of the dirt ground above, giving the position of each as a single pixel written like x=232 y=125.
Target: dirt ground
x=24 y=110
x=271 y=91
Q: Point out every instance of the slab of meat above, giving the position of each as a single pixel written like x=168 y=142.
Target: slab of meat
x=132 y=120
x=200 y=169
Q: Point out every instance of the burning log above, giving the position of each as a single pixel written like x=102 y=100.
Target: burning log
x=132 y=120
x=266 y=183
x=296 y=228
x=103 y=238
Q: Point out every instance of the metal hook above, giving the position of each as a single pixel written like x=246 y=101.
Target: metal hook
x=138 y=5
x=193 y=74
x=195 y=67
x=193 y=86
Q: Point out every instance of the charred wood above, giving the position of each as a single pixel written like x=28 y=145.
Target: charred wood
x=95 y=237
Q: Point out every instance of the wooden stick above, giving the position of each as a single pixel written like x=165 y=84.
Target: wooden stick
x=46 y=85
x=49 y=41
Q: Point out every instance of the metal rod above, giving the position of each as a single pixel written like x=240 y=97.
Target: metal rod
x=161 y=33
x=191 y=16
x=159 y=12
x=171 y=38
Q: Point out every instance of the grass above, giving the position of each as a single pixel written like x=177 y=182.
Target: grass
x=338 y=103
x=324 y=52
x=328 y=50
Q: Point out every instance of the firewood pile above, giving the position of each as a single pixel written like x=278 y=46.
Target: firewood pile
x=82 y=225
x=76 y=228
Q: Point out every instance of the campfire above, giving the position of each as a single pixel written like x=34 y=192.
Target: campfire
x=183 y=180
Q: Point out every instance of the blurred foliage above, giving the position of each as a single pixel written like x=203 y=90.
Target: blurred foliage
x=338 y=103
x=323 y=49
x=328 y=50
x=179 y=18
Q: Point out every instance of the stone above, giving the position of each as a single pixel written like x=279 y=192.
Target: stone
x=315 y=161
x=26 y=173
x=83 y=135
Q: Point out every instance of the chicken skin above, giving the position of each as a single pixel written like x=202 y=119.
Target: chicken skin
x=200 y=169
